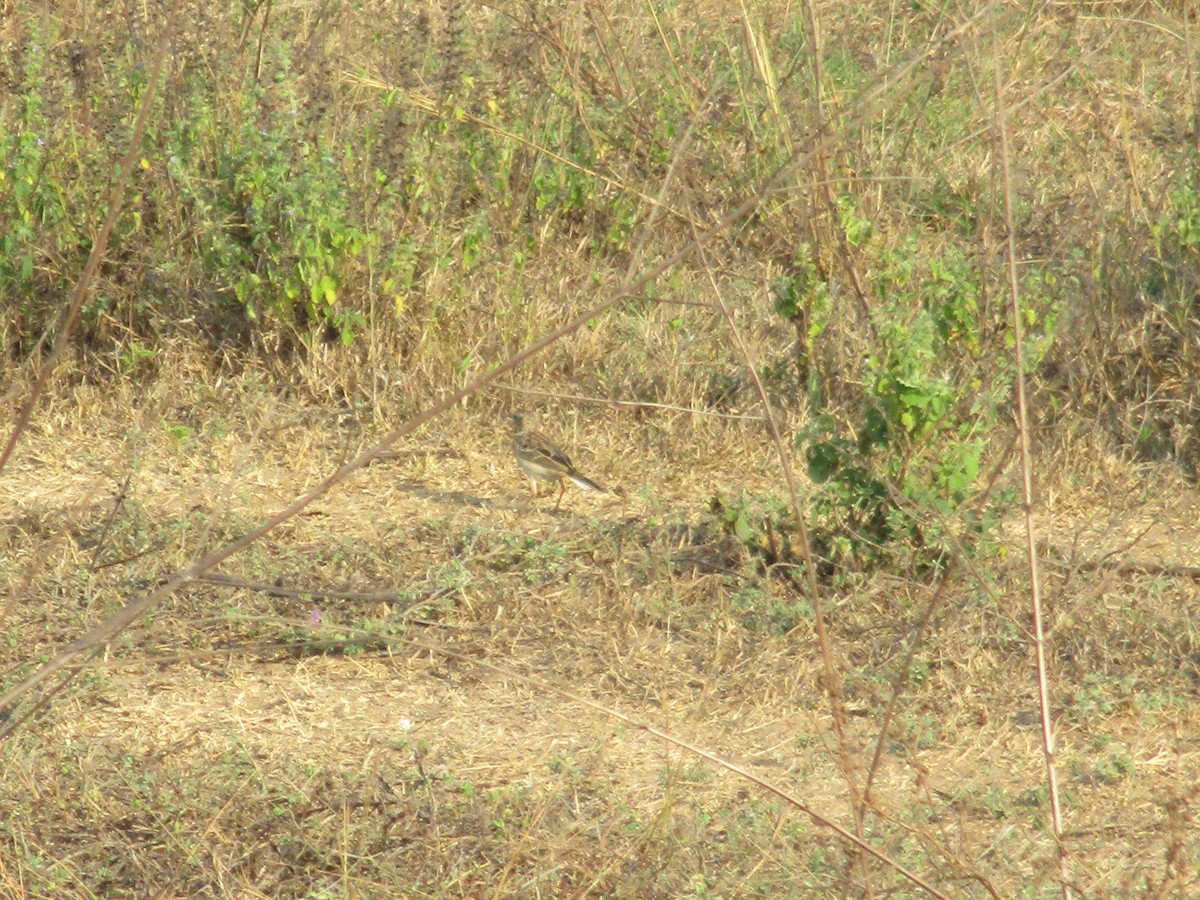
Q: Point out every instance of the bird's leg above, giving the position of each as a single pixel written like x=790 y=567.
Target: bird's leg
x=562 y=486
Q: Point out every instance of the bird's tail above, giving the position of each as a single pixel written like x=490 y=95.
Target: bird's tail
x=586 y=483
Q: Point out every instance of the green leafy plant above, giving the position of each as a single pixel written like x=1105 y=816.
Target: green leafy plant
x=34 y=200
x=273 y=206
x=900 y=463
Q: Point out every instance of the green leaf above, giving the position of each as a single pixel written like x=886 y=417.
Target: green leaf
x=742 y=530
x=824 y=460
x=329 y=288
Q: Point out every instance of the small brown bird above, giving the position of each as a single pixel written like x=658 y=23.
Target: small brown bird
x=543 y=461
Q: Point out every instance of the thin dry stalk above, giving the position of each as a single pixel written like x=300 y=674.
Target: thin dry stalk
x=680 y=81
x=959 y=557
x=1035 y=589
x=728 y=765
x=112 y=517
x=813 y=24
x=824 y=180
x=561 y=396
x=1189 y=53
x=833 y=677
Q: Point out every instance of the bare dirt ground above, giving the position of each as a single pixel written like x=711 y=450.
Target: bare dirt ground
x=405 y=736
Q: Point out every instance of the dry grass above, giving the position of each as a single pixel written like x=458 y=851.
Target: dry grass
x=243 y=744
x=375 y=699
